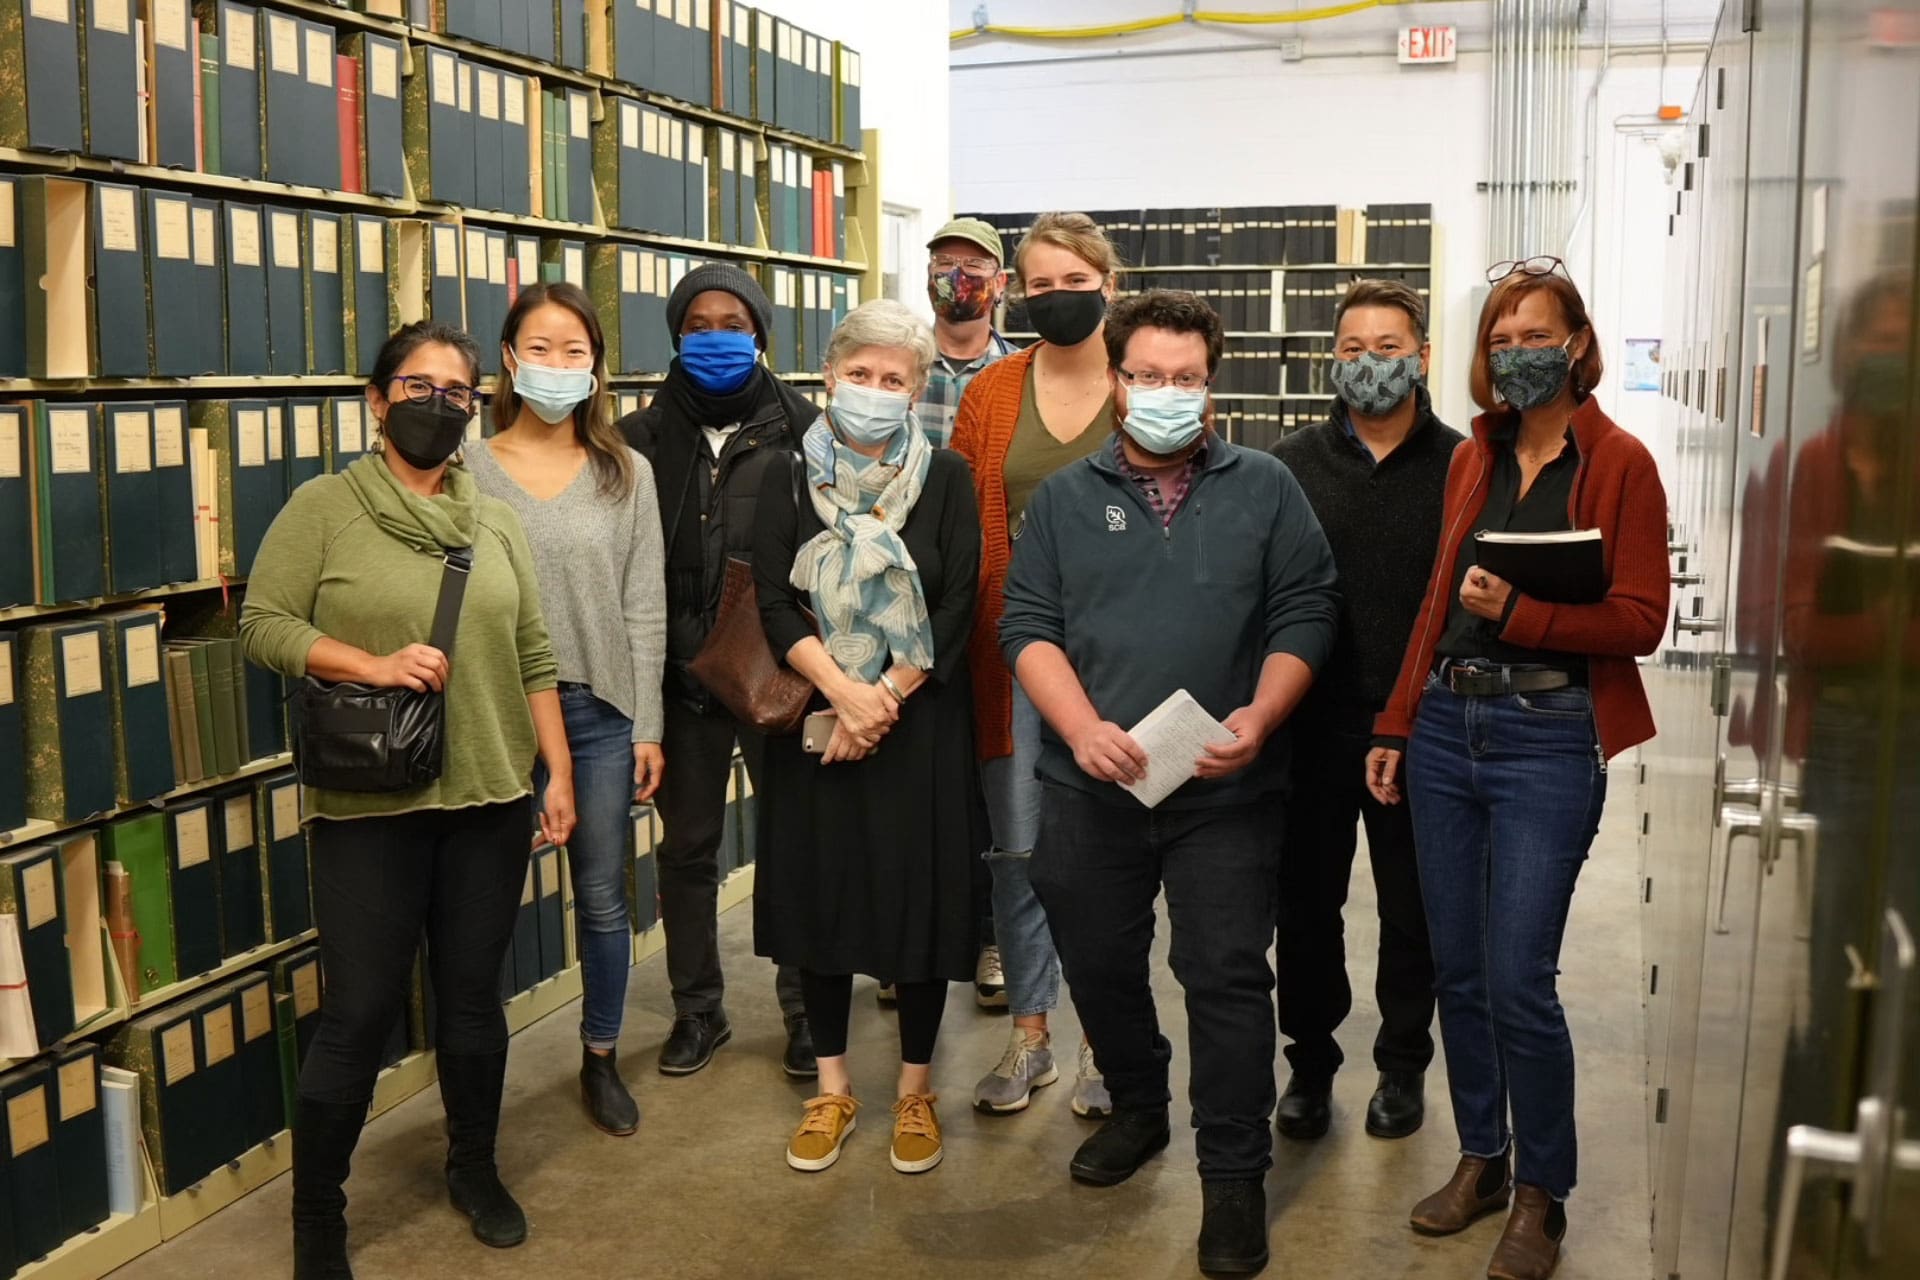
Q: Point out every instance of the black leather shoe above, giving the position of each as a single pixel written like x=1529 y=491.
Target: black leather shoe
x=1233 y=1227
x=609 y=1105
x=1306 y=1109
x=798 y=1060
x=691 y=1043
x=1124 y=1143
x=1399 y=1104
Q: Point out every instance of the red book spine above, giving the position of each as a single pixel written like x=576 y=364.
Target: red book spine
x=352 y=137
x=822 y=214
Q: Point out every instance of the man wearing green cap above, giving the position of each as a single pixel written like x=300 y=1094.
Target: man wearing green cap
x=965 y=282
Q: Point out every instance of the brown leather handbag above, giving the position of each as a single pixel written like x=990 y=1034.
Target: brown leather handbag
x=738 y=666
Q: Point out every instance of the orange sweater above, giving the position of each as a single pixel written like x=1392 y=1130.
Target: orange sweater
x=982 y=432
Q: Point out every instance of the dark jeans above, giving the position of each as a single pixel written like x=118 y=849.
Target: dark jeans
x=1316 y=865
x=829 y=999
x=1098 y=867
x=692 y=803
x=378 y=883
x=1506 y=794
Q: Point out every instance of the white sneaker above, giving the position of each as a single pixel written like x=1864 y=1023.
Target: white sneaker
x=1090 y=1096
x=1025 y=1066
x=990 y=980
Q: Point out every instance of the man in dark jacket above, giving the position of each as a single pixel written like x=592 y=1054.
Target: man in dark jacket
x=720 y=426
x=1375 y=472
x=1168 y=561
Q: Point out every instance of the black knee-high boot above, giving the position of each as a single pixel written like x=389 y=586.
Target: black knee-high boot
x=470 y=1087
x=324 y=1134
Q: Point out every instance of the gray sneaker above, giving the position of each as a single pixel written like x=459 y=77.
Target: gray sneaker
x=1090 y=1096
x=1025 y=1066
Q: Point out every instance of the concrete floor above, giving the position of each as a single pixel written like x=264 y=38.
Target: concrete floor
x=702 y=1190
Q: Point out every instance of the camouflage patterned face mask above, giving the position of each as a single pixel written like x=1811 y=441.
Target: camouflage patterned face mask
x=1374 y=385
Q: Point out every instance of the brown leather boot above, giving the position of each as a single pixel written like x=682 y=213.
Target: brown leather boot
x=1527 y=1251
x=1477 y=1188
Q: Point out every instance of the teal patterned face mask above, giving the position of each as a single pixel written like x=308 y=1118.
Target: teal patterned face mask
x=1528 y=377
x=1374 y=385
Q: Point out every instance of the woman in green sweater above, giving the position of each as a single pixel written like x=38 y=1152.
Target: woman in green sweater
x=344 y=588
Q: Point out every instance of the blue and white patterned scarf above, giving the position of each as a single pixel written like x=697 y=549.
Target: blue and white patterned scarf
x=864 y=584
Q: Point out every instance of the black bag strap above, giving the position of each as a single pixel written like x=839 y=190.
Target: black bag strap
x=453 y=591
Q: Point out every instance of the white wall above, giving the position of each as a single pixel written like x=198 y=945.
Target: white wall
x=1244 y=127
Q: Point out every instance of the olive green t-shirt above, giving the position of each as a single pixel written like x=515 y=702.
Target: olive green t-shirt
x=1033 y=454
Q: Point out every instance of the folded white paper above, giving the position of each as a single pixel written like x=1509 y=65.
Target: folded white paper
x=1174 y=735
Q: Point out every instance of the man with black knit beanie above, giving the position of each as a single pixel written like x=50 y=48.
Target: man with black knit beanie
x=720 y=426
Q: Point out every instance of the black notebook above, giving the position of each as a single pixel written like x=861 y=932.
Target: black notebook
x=1560 y=568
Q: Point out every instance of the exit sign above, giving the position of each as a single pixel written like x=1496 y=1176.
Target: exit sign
x=1426 y=44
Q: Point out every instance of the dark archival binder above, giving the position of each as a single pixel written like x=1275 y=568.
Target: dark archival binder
x=1560 y=568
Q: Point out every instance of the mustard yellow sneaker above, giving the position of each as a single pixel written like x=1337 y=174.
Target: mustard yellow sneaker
x=916 y=1134
x=815 y=1145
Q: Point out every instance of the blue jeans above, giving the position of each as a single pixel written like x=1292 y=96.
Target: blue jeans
x=1013 y=817
x=1506 y=794
x=601 y=740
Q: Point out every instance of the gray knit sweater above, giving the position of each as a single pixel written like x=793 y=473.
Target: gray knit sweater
x=602 y=583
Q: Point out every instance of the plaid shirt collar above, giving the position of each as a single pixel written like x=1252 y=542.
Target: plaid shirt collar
x=1166 y=503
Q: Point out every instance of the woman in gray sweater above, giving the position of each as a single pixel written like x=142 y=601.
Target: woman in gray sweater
x=588 y=504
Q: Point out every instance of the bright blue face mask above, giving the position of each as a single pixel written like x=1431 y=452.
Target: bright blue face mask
x=1164 y=420
x=552 y=393
x=868 y=415
x=719 y=361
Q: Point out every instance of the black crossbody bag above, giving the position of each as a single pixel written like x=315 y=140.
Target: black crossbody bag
x=355 y=737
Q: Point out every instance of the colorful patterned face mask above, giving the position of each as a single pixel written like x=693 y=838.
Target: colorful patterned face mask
x=1374 y=385
x=1528 y=377
x=958 y=297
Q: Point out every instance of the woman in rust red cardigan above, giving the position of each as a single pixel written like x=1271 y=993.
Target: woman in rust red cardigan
x=1507 y=709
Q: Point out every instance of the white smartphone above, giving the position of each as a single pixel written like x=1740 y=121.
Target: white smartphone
x=817 y=731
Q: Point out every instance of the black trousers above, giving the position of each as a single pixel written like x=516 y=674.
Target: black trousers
x=692 y=803
x=378 y=883
x=1329 y=798
x=1098 y=867
x=920 y=1006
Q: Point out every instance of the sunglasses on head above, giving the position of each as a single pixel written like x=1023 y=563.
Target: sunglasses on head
x=1542 y=265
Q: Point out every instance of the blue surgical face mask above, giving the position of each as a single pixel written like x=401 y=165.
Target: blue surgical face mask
x=1164 y=420
x=552 y=393
x=719 y=361
x=868 y=415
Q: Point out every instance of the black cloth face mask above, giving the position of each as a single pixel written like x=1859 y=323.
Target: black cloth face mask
x=425 y=434
x=1067 y=317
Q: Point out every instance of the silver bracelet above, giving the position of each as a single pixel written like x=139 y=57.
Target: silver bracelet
x=892 y=688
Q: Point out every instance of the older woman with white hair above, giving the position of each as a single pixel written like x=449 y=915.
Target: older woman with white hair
x=877 y=537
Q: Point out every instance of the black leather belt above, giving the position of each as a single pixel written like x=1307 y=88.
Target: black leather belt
x=1473 y=681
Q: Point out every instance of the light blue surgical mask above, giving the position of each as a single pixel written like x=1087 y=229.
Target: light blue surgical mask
x=1164 y=420
x=868 y=415
x=552 y=393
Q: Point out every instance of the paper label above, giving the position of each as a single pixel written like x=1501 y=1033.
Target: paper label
x=286 y=812
x=383 y=70
x=703 y=17
x=577 y=115
x=107 y=15
x=326 y=246
x=650 y=133
x=169 y=436
x=170 y=23
x=286 y=240
x=766 y=34
x=11 y=465
x=440 y=67
x=252 y=430
x=7 y=233
x=513 y=99
x=80 y=656
x=176 y=1052
x=320 y=59
x=349 y=433
x=240 y=39
x=256 y=1012
x=675 y=132
x=143 y=655
x=6 y=673
x=36 y=886
x=629 y=133
x=283 y=45
x=216 y=1032
x=237 y=813
x=446 y=251
x=528 y=254
x=476 y=253
x=576 y=266
x=726 y=22
x=629 y=271
x=27 y=1120
x=463 y=80
x=190 y=838
x=204 y=251
x=683 y=13
x=78 y=1095
x=243 y=237
x=726 y=151
x=497 y=259
x=489 y=94
x=119 y=219
x=276 y=434
x=306 y=990
x=373 y=246
x=70 y=432
x=747 y=161
x=306 y=431
x=132 y=441
x=696 y=145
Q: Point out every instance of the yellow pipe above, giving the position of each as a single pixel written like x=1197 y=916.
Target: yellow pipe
x=1170 y=20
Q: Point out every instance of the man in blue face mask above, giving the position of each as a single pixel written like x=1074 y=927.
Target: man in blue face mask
x=1170 y=560
x=719 y=426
